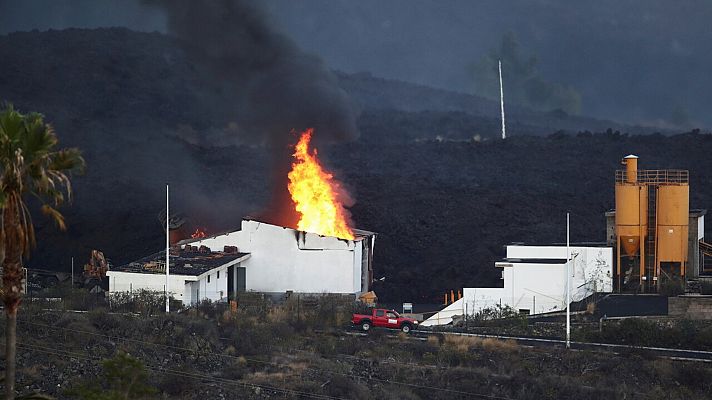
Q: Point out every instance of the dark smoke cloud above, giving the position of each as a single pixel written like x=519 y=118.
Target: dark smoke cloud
x=276 y=89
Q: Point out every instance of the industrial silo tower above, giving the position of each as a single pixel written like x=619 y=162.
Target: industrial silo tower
x=651 y=226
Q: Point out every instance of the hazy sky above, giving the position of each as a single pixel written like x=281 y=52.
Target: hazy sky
x=635 y=61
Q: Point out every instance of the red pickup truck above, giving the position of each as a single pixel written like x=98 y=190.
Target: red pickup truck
x=382 y=318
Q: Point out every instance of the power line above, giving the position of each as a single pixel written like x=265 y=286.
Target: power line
x=272 y=363
x=166 y=371
x=412 y=385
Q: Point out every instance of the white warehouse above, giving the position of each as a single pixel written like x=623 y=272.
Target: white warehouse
x=535 y=281
x=259 y=257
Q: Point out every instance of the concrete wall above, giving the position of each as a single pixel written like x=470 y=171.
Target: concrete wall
x=215 y=290
x=281 y=260
x=133 y=282
x=591 y=269
x=692 y=307
x=284 y=259
x=538 y=287
x=697 y=233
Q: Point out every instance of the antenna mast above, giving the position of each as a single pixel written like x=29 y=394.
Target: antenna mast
x=168 y=253
x=501 y=100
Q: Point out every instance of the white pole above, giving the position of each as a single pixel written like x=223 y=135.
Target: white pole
x=568 y=287
x=501 y=100
x=168 y=252
x=72 y=284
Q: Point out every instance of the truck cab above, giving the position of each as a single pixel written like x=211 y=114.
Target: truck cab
x=384 y=318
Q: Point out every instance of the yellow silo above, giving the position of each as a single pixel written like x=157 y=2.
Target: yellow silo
x=673 y=210
x=631 y=215
x=651 y=226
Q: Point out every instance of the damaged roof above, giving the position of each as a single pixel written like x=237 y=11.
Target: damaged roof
x=358 y=233
x=191 y=263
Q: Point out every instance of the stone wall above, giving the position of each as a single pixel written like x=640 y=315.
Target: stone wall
x=693 y=307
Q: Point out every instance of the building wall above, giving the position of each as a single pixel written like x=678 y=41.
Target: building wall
x=610 y=228
x=538 y=287
x=215 y=290
x=544 y=285
x=701 y=227
x=284 y=259
x=133 y=282
x=692 y=307
x=693 y=247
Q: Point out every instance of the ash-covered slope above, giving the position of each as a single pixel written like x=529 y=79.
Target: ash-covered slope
x=444 y=204
x=373 y=93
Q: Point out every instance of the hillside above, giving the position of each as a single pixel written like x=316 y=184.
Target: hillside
x=443 y=203
x=255 y=355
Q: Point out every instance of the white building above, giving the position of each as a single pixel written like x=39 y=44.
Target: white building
x=535 y=281
x=259 y=257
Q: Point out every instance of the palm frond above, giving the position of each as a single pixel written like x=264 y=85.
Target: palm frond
x=55 y=215
x=30 y=164
x=38 y=139
x=70 y=160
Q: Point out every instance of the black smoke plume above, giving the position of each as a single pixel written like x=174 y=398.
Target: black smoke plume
x=276 y=88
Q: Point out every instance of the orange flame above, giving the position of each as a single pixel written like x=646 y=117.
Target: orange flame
x=199 y=233
x=315 y=194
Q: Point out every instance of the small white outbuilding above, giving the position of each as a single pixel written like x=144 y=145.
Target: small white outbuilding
x=258 y=257
x=534 y=281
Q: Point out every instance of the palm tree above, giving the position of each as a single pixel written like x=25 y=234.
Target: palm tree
x=29 y=165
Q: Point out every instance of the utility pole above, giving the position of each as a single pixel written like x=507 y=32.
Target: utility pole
x=168 y=252
x=501 y=100
x=568 y=287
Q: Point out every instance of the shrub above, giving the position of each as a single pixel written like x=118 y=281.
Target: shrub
x=706 y=287
x=124 y=377
x=174 y=384
x=145 y=302
x=671 y=287
x=248 y=337
x=102 y=320
x=503 y=316
x=343 y=387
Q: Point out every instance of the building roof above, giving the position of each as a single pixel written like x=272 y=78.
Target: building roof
x=534 y=260
x=191 y=263
x=571 y=244
x=358 y=233
x=694 y=212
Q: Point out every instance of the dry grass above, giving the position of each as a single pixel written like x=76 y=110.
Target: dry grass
x=33 y=371
x=278 y=314
x=299 y=367
x=230 y=350
x=226 y=316
x=491 y=344
x=265 y=377
x=462 y=343
x=433 y=340
x=590 y=308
